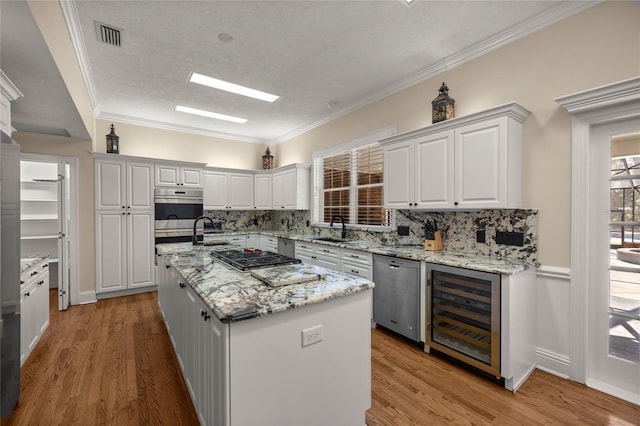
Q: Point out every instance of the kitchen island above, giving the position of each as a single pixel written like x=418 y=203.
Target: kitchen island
x=256 y=354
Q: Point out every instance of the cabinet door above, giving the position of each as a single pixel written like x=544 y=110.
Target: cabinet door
x=110 y=185
x=140 y=251
x=278 y=193
x=191 y=176
x=289 y=189
x=167 y=175
x=111 y=263
x=398 y=175
x=140 y=186
x=434 y=170
x=241 y=191
x=43 y=299
x=481 y=164
x=216 y=190
x=263 y=191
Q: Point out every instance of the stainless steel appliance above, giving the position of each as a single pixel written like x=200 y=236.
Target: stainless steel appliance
x=396 y=296
x=251 y=259
x=463 y=316
x=9 y=276
x=286 y=247
x=176 y=209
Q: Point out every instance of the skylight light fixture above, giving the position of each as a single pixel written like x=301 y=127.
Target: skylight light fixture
x=231 y=87
x=210 y=114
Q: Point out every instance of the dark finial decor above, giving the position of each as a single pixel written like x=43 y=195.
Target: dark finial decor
x=442 y=105
x=113 y=142
x=267 y=160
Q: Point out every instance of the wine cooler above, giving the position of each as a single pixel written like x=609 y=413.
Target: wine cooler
x=463 y=315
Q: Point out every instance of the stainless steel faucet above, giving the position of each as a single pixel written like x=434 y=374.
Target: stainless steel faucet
x=195 y=222
x=344 y=228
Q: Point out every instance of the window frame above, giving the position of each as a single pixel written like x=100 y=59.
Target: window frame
x=351 y=146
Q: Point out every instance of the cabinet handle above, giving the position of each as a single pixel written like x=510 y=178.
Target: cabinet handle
x=122 y=213
x=455 y=203
x=202 y=312
x=355 y=256
x=21 y=282
x=123 y=207
x=34 y=273
x=313 y=257
x=181 y=285
x=355 y=272
x=167 y=266
x=46 y=265
x=27 y=294
x=40 y=282
x=206 y=316
x=326 y=251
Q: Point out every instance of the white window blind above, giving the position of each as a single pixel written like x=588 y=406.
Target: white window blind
x=348 y=182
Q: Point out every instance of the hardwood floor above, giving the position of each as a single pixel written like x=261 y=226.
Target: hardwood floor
x=410 y=387
x=112 y=363
x=109 y=362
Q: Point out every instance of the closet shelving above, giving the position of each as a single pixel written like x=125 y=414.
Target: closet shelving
x=39 y=209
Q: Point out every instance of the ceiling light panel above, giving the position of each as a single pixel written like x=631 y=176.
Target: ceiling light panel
x=209 y=114
x=231 y=87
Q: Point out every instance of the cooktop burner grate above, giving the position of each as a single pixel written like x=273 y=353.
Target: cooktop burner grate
x=245 y=261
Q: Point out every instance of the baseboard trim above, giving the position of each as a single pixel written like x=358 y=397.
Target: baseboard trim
x=128 y=292
x=607 y=388
x=554 y=272
x=86 y=297
x=553 y=363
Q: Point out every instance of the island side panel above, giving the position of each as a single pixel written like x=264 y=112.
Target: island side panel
x=277 y=381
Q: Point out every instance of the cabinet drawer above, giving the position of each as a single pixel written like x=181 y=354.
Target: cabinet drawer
x=355 y=256
x=303 y=249
x=358 y=269
x=38 y=272
x=326 y=251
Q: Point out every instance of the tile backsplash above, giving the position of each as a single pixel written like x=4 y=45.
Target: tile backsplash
x=459 y=229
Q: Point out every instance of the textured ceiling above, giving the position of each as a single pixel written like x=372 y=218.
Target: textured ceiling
x=311 y=53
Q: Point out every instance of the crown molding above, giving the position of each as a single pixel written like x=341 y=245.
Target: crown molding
x=562 y=11
x=8 y=88
x=176 y=127
x=600 y=97
x=73 y=26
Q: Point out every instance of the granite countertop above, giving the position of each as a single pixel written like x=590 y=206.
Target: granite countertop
x=461 y=260
x=233 y=295
x=29 y=262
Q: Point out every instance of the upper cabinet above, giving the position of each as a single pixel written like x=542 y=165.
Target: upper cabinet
x=227 y=190
x=263 y=190
x=175 y=174
x=470 y=162
x=291 y=187
x=123 y=184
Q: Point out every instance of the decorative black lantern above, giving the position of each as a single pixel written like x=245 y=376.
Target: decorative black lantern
x=113 y=141
x=442 y=105
x=267 y=160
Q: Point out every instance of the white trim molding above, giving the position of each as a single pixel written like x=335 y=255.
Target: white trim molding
x=9 y=89
x=86 y=297
x=588 y=108
x=554 y=272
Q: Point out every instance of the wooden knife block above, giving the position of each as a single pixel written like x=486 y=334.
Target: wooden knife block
x=435 y=244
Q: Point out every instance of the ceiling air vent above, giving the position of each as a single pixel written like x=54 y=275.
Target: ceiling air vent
x=108 y=34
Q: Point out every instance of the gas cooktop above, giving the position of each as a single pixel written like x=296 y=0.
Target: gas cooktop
x=251 y=259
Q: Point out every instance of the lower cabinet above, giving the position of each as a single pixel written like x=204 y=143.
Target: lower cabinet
x=319 y=255
x=200 y=342
x=34 y=307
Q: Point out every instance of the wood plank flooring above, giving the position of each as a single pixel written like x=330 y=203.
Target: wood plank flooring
x=112 y=363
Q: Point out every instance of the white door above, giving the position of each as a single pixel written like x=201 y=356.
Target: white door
x=63 y=235
x=140 y=249
x=398 y=175
x=613 y=328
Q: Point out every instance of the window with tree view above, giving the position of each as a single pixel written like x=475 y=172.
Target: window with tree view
x=349 y=184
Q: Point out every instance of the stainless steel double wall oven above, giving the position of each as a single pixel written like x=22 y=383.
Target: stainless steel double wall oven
x=175 y=211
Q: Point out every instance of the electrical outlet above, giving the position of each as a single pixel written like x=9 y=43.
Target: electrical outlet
x=311 y=335
x=403 y=230
x=481 y=236
x=510 y=238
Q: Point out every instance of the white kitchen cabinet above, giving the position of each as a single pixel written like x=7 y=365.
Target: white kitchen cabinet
x=34 y=306
x=228 y=190
x=470 y=162
x=263 y=190
x=319 y=255
x=175 y=174
x=357 y=263
x=268 y=243
x=291 y=187
x=124 y=221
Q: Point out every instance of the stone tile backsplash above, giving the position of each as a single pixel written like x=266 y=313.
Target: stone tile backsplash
x=459 y=229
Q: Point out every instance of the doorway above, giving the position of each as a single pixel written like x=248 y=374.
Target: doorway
x=47 y=202
x=613 y=325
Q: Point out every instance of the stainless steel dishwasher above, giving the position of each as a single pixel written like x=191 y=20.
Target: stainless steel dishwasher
x=396 y=296
x=286 y=247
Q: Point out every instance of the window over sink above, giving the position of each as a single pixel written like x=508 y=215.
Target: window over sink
x=348 y=182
